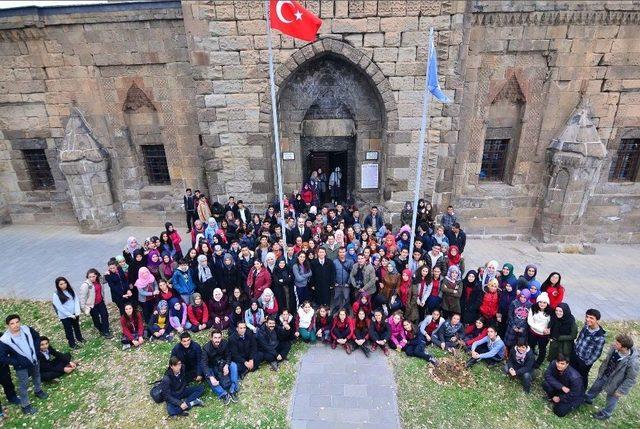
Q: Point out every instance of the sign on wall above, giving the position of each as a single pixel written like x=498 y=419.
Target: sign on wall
x=369 y=176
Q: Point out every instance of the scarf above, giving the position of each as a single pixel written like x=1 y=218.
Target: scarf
x=204 y=273
x=167 y=269
x=521 y=356
x=454 y=260
x=130 y=248
x=563 y=325
x=405 y=287
x=145 y=278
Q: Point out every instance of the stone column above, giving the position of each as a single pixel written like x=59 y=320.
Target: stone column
x=574 y=159
x=85 y=164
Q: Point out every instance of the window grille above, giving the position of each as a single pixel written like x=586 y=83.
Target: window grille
x=155 y=161
x=494 y=159
x=39 y=169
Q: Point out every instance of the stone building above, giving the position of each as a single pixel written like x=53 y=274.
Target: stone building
x=542 y=139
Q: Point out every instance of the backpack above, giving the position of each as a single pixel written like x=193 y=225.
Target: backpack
x=156 y=392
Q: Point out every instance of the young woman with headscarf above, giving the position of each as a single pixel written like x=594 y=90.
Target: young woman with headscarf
x=554 y=289
x=219 y=310
x=132 y=246
x=268 y=302
x=529 y=275
x=147 y=291
x=563 y=330
x=451 y=291
x=471 y=297
x=489 y=273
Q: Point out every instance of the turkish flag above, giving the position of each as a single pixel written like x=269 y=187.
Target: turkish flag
x=294 y=20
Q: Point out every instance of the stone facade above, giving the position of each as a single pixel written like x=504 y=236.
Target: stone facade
x=193 y=76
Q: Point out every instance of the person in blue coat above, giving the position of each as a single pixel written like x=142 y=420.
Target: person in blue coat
x=563 y=386
x=182 y=281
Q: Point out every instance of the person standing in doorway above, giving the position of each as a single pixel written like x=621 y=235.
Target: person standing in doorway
x=335 y=181
x=322 y=186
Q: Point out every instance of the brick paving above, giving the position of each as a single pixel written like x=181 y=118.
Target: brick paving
x=336 y=390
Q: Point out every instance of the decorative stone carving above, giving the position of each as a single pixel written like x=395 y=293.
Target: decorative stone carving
x=574 y=159
x=137 y=100
x=85 y=164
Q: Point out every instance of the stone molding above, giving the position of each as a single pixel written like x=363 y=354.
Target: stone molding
x=499 y=19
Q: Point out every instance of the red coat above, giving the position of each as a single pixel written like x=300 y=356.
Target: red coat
x=556 y=295
x=307 y=195
x=129 y=328
x=257 y=284
x=198 y=315
x=337 y=327
x=469 y=331
x=489 y=306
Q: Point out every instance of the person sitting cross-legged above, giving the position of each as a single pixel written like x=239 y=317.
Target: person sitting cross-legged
x=520 y=364
x=447 y=336
x=190 y=354
x=563 y=386
x=489 y=349
x=175 y=390
x=379 y=333
x=244 y=349
x=270 y=348
x=221 y=372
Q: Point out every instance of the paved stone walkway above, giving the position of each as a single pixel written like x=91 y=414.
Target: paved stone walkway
x=336 y=390
x=36 y=255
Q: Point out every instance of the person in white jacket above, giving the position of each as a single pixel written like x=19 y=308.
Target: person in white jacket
x=538 y=320
x=67 y=306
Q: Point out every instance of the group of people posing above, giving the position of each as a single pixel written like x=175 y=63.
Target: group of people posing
x=331 y=276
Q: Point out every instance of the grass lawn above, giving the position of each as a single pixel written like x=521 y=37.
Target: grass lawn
x=489 y=400
x=111 y=387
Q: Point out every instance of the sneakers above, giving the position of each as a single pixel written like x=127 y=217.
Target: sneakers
x=126 y=347
x=234 y=397
x=29 y=410
x=600 y=416
x=197 y=403
x=470 y=363
x=273 y=365
x=108 y=335
x=434 y=361
x=14 y=400
x=226 y=399
x=182 y=414
x=42 y=394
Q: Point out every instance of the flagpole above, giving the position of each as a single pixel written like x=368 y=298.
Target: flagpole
x=426 y=99
x=276 y=135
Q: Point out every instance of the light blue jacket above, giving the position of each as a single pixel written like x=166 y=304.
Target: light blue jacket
x=71 y=307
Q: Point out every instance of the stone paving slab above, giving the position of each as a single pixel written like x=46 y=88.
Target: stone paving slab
x=337 y=390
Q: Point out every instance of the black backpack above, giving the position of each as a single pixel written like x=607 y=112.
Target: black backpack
x=156 y=391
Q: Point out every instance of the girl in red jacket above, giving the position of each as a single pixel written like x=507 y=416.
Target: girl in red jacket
x=361 y=331
x=554 y=289
x=323 y=324
x=474 y=332
x=132 y=328
x=198 y=314
x=342 y=331
x=489 y=306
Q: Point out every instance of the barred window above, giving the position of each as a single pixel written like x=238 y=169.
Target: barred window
x=155 y=162
x=494 y=159
x=624 y=167
x=39 y=169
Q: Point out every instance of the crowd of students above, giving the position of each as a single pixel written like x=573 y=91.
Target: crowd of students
x=332 y=276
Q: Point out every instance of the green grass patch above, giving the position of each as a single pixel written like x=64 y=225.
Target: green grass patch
x=491 y=400
x=110 y=388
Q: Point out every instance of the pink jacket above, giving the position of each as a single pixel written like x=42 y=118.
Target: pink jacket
x=397 y=332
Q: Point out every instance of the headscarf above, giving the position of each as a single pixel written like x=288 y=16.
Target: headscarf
x=273 y=256
x=119 y=259
x=563 y=325
x=162 y=305
x=267 y=305
x=172 y=311
x=204 y=272
x=465 y=281
x=453 y=268
x=454 y=260
x=511 y=278
x=217 y=291
x=150 y=262
x=194 y=296
x=526 y=272
x=130 y=248
x=167 y=269
x=405 y=287
x=339 y=236
x=145 y=278
x=521 y=356
x=226 y=257
x=488 y=275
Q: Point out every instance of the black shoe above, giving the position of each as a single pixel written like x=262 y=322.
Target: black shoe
x=183 y=414
x=14 y=400
x=470 y=363
x=108 y=335
x=226 y=399
x=600 y=416
x=29 y=410
x=234 y=397
x=366 y=350
x=42 y=394
x=273 y=365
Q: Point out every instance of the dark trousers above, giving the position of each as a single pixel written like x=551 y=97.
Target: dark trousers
x=190 y=393
x=282 y=349
x=71 y=327
x=560 y=409
x=417 y=350
x=191 y=216
x=581 y=367
x=100 y=317
x=147 y=309
x=541 y=342
x=525 y=378
x=6 y=382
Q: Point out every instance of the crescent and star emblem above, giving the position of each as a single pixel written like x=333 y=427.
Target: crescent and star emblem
x=279 y=5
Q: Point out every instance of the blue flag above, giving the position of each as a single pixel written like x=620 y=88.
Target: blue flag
x=432 y=72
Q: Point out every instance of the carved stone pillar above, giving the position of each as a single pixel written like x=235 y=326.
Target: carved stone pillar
x=85 y=164
x=574 y=159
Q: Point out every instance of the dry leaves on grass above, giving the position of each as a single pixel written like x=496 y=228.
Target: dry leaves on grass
x=452 y=371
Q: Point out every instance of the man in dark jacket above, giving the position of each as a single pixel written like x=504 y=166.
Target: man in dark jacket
x=270 y=348
x=563 y=386
x=520 y=364
x=456 y=237
x=301 y=231
x=243 y=348
x=7 y=384
x=190 y=354
x=178 y=396
x=189 y=208
x=221 y=372
x=379 y=333
x=324 y=277
x=116 y=278
x=616 y=375
x=435 y=258
x=374 y=219
x=53 y=364
x=18 y=348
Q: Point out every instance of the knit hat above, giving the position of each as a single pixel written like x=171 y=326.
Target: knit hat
x=526 y=293
x=543 y=297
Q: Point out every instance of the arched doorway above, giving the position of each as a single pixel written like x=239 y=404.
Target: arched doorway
x=331 y=115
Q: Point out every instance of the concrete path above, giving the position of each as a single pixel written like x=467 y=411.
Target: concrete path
x=336 y=390
x=35 y=255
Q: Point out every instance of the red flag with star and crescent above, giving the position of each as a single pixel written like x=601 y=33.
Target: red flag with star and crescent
x=294 y=20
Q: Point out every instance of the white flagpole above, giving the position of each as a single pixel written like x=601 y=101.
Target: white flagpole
x=276 y=135
x=423 y=130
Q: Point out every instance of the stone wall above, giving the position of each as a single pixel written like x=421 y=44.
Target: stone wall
x=91 y=56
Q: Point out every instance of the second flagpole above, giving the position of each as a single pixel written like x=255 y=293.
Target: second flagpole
x=276 y=135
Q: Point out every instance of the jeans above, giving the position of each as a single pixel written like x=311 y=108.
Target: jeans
x=23 y=382
x=71 y=326
x=100 y=317
x=595 y=390
x=432 y=303
x=191 y=216
x=340 y=297
x=525 y=378
x=417 y=350
x=541 y=342
x=233 y=375
x=190 y=393
x=307 y=335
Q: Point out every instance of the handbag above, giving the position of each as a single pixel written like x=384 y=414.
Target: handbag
x=156 y=392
